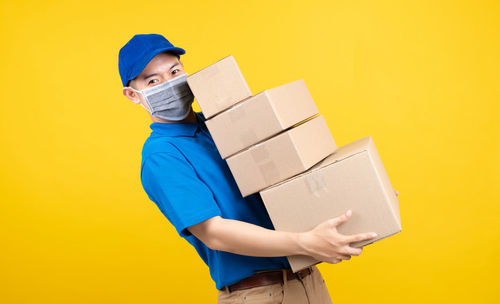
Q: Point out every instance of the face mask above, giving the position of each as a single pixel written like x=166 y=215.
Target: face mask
x=170 y=100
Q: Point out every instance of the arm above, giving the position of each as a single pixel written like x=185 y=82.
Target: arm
x=245 y=238
x=323 y=242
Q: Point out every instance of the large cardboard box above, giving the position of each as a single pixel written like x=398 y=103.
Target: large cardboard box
x=282 y=156
x=261 y=116
x=353 y=177
x=218 y=86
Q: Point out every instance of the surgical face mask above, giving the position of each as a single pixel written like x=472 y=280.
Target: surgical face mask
x=170 y=100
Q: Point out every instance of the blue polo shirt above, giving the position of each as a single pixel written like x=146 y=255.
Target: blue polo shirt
x=184 y=174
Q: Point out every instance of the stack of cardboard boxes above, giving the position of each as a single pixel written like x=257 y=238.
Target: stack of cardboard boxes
x=277 y=143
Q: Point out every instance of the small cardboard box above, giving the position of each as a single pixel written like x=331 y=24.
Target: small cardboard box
x=218 y=86
x=282 y=156
x=353 y=177
x=260 y=117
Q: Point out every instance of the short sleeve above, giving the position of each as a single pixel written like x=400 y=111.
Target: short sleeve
x=174 y=186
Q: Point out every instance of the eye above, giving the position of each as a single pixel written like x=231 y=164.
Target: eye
x=152 y=81
x=175 y=71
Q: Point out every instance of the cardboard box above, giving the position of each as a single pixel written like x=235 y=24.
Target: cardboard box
x=353 y=177
x=218 y=86
x=282 y=156
x=261 y=116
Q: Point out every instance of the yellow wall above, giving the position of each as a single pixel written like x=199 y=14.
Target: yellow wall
x=421 y=77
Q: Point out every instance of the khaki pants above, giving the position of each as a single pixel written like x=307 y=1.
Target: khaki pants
x=309 y=290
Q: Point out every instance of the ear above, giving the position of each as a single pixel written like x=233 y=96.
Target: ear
x=131 y=95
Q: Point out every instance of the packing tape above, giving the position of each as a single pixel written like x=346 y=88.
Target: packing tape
x=222 y=102
x=259 y=154
x=268 y=169
x=210 y=74
x=237 y=113
x=247 y=137
x=269 y=172
x=315 y=183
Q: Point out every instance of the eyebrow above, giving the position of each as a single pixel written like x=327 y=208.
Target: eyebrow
x=155 y=74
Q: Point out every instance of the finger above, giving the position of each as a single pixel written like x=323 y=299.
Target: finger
x=341 y=218
x=334 y=261
x=359 y=237
x=352 y=251
x=344 y=257
x=397 y=192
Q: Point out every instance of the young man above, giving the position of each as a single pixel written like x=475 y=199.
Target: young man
x=183 y=173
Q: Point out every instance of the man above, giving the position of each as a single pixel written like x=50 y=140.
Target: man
x=183 y=173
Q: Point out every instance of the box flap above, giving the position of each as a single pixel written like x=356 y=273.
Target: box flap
x=339 y=154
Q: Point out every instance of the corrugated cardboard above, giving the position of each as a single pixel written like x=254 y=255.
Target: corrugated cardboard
x=218 y=86
x=261 y=116
x=282 y=156
x=353 y=177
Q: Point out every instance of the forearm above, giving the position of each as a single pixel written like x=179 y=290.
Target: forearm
x=248 y=239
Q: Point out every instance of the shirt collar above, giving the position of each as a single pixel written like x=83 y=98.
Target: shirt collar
x=180 y=128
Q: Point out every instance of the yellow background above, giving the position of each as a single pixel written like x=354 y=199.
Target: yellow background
x=421 y=77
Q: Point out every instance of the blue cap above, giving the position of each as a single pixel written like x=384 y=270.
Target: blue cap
x=136 y=54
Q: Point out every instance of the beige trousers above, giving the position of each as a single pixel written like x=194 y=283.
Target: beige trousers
x=309 y=290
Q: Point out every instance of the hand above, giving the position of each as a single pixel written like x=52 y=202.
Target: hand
x=325 y=243
x=397 y=192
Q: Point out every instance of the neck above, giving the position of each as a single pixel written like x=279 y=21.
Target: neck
x=190 y=118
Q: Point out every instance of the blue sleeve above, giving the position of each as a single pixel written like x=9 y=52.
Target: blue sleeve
x=172 y=183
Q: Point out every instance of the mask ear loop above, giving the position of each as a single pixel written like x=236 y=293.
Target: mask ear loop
x=139 y=92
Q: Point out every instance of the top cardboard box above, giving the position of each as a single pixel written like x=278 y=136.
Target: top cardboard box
x=261 y=116
x=353 y=177
x=218 y=86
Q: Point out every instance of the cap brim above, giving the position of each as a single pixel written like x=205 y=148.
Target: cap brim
x=141 y=65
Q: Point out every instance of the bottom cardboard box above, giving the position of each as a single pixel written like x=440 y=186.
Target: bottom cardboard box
x=353 y=177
